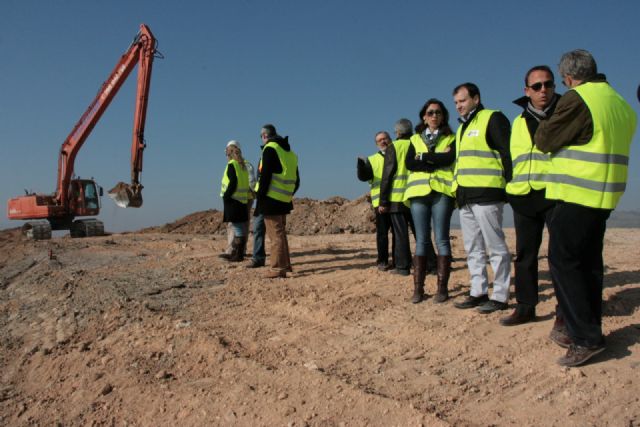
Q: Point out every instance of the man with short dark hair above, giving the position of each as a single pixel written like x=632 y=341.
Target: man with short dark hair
x=589 y=137
x=279 y=180
x=482 y=169
x=525 y=191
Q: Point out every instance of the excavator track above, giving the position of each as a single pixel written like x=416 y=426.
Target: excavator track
x=37 y=230
x=86 y=228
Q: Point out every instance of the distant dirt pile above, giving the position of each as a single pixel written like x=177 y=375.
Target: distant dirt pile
x=336 y=215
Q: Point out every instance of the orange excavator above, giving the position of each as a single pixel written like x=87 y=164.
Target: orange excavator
x=75 y=197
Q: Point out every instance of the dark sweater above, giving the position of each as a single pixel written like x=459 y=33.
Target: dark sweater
x=570 y=124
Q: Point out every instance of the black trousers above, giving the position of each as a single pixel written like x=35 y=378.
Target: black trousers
x=401 y=221
x=529 y=225
x=576 y=240
x=383 y=225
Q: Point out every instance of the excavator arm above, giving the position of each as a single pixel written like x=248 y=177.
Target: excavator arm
x=141 y=53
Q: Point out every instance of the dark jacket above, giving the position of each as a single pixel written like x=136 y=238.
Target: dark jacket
x=498 y=134
x=571 y=123
x=271 y=165
x=234 y=210
x=388 y=172
x=534 y=201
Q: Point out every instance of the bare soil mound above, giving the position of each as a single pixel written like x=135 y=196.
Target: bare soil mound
x=332 y=216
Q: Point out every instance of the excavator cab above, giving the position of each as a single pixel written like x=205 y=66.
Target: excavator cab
x=84 y=197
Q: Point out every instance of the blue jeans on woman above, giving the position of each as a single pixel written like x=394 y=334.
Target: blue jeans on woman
x=239 y=229
x=439 y=207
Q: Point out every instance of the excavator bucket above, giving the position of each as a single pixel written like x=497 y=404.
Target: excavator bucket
x=126 y=195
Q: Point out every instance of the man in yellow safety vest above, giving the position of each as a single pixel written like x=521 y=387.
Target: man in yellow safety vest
x=526 y=190
x=370 y=170
x=588 y=136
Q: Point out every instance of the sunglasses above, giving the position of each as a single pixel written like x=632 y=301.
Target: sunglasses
x=431 y=113
x=537 y=87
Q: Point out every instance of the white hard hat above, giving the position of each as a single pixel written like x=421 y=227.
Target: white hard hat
x=233 y=142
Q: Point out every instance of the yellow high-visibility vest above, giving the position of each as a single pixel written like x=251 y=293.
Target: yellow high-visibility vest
x=477 y=165
x=530 y=165
x=282 y=184
x=399 y=183
x=595 y=174
x=241 y=193
x=377 y=165
x=422 y=183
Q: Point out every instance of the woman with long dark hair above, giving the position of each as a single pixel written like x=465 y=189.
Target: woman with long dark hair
x=430 y=163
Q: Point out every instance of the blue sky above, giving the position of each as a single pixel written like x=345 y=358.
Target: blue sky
x=328 y=74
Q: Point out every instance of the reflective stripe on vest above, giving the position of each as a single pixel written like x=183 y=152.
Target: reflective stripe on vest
x=283 y=184
x=477 y=165
x=595 y=174
x=422 y=183
x=530 y=165
x=399 y=183
x=241 y=193
x=377 y=165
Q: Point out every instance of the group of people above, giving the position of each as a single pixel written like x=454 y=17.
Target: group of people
x=273 y=188
x=562 y=163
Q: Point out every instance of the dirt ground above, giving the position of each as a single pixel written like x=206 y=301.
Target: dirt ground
x=153 y=329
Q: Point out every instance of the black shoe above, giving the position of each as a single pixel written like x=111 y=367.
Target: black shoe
x=470 y=302
x=255 y=264
x=491 y=306
x=401 y=272
x=577 y=355
x=522 y=314
x=383 y=266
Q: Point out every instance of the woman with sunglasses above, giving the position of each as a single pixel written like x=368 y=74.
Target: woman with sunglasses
x=430 y=162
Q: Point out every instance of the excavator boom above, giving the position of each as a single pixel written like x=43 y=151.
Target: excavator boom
x=141 y=53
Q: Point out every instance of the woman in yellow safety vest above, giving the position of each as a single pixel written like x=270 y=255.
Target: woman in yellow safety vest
x=430 y=163
x=235 y=194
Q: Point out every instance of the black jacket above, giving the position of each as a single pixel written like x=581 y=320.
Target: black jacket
x=271 y=165
x=498 y=134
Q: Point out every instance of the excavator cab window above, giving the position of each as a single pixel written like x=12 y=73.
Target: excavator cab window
x=90 y=195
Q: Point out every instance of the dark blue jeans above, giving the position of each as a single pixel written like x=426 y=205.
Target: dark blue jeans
x=438 y=207
x=258 y=239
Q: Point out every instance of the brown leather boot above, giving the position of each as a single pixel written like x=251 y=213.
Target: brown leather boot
x=432 y=260
x=237 y=249
x=443 y=272
x=419 y=274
